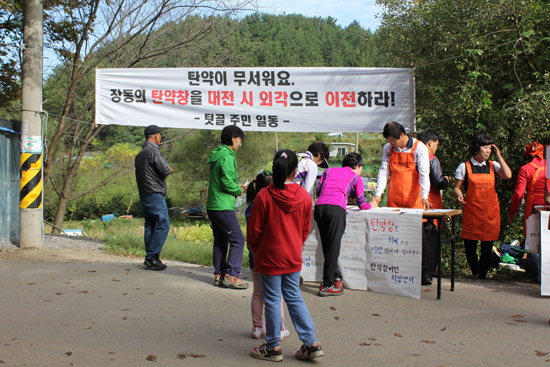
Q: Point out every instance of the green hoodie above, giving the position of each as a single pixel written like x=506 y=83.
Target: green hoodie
x=223 y=184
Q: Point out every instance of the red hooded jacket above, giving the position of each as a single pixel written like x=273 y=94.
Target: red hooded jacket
x=278 y=226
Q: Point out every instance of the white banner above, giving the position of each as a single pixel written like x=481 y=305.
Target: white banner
x=544 y=253
x=381 y=251
x=257 y=99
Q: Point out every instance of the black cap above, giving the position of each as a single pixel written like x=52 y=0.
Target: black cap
x=152 y=130
x=324 y=164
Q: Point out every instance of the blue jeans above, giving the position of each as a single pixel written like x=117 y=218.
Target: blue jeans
x=157 y=223
x=228 y=237
x=287 y=285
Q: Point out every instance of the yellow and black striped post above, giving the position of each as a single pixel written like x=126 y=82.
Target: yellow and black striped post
x=30 y=187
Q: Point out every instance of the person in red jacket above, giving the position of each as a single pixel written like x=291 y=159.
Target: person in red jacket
x=531 y=179
x=277 y=228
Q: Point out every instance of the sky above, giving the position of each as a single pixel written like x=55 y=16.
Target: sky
x=344 y=12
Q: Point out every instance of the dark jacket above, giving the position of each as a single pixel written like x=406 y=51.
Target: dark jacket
x=151 y=170
x=436 y=175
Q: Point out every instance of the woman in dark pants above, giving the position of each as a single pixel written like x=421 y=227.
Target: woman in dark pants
x=481 y=214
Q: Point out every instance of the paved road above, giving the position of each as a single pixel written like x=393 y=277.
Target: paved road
x=74 y=313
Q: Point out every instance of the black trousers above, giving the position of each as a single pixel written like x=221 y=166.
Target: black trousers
x=479 y=267
x=430 y=246
x=331 y=220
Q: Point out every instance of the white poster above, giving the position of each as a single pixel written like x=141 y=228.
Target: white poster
x=394 y=249
x=353 y=251
x=257 y=99
x=381 y=251
x=544 y=253
x=532 y=234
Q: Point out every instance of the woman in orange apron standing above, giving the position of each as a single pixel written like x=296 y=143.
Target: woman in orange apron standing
x=481 y=214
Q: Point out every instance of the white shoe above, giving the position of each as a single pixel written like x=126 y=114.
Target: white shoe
x=258 y=332
x=284 y=333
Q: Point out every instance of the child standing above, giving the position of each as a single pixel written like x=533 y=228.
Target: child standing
x=278 y=256
x=257 y=305
x=335 y=186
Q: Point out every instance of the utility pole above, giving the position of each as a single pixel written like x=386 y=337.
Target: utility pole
x=31 y=222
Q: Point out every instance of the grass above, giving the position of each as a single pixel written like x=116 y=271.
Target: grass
x=188 y=241
x=191 y=241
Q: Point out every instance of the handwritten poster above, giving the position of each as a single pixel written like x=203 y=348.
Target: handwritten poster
x=394 y=251
x=381 y=251
x=544 y=253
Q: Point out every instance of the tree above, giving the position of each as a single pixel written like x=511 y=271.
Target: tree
x=96 y=33
x=481 y=67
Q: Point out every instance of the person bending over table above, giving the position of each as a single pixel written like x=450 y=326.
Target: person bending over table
x=481 y=213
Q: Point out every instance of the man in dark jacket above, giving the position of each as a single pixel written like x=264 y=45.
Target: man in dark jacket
x=438 y=182
x=151 y=172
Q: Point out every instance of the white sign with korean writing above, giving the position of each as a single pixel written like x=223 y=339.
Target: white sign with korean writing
x=353 y=251
x=257 y=99
x=381 y=251
x=394 y=249
x=544 y=253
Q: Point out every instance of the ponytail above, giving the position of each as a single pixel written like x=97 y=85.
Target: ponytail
x=284 y=164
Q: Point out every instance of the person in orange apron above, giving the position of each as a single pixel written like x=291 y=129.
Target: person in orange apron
x=531 y=179
x=438 y=182
x=406 y=164
x=481 y=213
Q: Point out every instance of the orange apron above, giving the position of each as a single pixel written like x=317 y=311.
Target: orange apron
x=404 y=189
x=530 y=197
x=481 y=214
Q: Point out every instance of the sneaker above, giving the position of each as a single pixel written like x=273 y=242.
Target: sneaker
x=258 y=332
x=234 y=282
x=338 y=283
x=426 y=279
x=309 y=352
x=262 y=352
x=154 y=264
x=218 y=280
x=325 y=291
x=284 y=333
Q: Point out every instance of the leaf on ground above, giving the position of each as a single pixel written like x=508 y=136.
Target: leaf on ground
x=444 y=328
x=52 y=278
x=69 y=353
x=538 y=353
x=196 y=355
x=519 y=320
x=127 y=269
x=378 y=344
x=87 y=328
x=427 y=290
x=516 y=316
x=365 y=344
x=333 y=308
x=398 y=335
x=91 y=271
x=83 y=292
x=510 y=323
x=124 y=294
x=125 y=309
x=59 y=293
x=181 y=356
x=125 y=318
x=427 y=341
x=116 y=280
x=336 y=317
x=375 y=314
x=31 y=283
x=151 y=357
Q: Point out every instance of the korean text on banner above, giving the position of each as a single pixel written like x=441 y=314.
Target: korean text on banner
x=257 y=99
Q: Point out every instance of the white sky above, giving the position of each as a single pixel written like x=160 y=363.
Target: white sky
x=344 y=12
